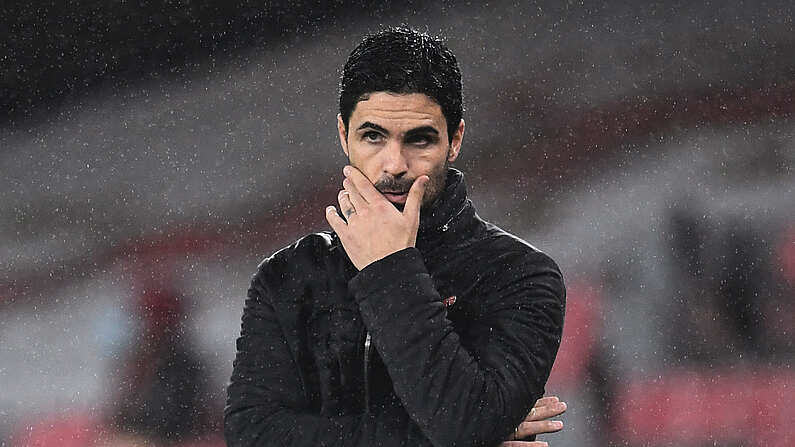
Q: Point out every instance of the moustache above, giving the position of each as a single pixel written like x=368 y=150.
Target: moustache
x=393 y=186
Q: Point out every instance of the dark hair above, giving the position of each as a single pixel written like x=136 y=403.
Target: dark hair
x=402 y=60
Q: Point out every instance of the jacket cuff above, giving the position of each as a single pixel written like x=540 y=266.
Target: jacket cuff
x=386 y=272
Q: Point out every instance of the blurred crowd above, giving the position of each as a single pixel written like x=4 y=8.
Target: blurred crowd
x=723 y=374
x=158 y=388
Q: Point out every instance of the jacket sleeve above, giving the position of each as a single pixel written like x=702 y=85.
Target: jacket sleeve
x=265 y=398
x=461 y=396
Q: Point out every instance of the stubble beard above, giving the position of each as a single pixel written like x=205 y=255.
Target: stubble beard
x=434 y=187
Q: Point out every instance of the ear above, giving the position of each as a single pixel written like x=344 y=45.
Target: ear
x=343 y=134
x=455 y=145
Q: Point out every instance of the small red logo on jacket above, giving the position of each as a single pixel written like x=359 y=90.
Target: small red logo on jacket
x=449 y=301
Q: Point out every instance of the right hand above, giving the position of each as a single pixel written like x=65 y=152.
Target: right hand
x=536 y=423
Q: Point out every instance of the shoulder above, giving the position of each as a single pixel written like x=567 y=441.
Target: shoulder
x=511 y=249
x=298 y=259
x=507 y=260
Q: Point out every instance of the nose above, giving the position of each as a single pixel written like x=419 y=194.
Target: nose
x=394 y=160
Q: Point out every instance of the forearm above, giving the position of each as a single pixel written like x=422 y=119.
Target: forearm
x=267 y=425
x=270 y=425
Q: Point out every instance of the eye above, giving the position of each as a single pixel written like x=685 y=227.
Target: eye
x=420 y=141
x=372 y=136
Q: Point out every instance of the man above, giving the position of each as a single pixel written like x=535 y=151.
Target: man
x=414 y=322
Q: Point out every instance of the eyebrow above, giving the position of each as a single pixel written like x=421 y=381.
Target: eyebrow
x=369 y=125
x=424 y=130
x=413 y=132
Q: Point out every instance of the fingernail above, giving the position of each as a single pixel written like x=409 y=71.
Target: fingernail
x=329 y=209
x=562 y=405
x=557 y=424
x=346 y=170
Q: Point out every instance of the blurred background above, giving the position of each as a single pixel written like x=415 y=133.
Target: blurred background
x=151 y=154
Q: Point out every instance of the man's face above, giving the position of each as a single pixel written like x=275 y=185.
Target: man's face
x=395 y=138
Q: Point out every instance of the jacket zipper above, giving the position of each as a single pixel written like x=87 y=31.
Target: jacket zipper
x=446 y=225
x=366 y=371
x=367 y=341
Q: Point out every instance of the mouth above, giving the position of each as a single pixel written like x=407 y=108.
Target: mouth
x=396 y=196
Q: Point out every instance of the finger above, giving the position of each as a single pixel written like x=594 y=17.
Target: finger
x=363 y=185
x=546 y=401
x=546 y=412
x=346 y=206
x=355 y=197
x=334 y=219
x=524 y=444
x=526 y=429
x=414 y=197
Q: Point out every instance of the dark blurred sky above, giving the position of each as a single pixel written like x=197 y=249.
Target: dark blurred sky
x=52 y=51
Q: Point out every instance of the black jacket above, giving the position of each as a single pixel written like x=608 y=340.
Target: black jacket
x=449 y=343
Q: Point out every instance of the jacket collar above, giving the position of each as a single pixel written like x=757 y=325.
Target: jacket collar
x=449 y=218
x=449 y=202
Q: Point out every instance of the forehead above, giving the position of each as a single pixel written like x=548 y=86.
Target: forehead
x=398 y=112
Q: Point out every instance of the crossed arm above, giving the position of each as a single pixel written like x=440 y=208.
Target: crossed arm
x=283 y=426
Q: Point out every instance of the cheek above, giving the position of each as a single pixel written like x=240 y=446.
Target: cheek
x=438 y=175
x=428 y=162
x=364 y=161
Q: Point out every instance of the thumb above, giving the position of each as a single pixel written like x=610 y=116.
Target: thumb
x=414 y=197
